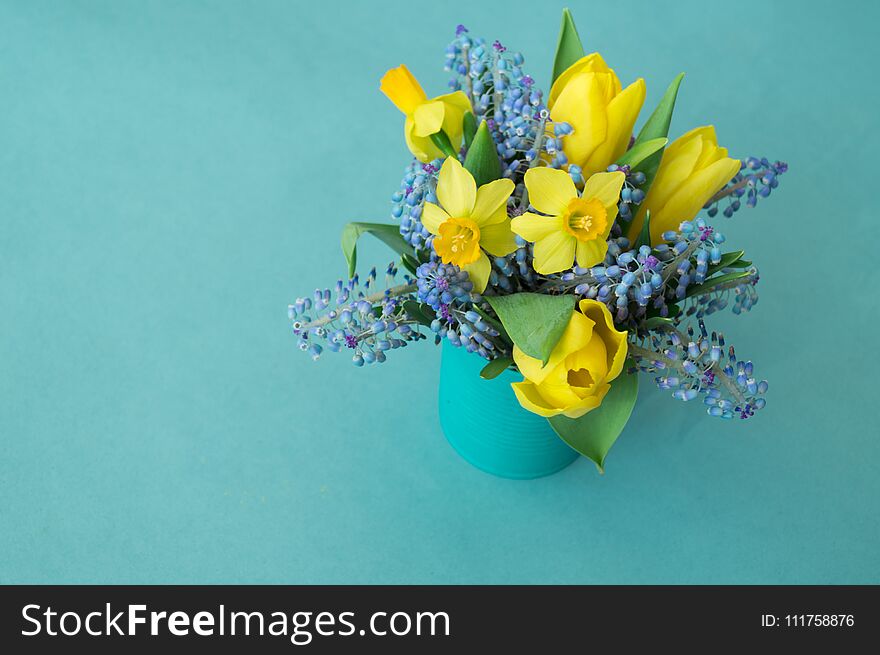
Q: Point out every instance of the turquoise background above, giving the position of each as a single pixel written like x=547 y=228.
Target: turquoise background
x=173 y=174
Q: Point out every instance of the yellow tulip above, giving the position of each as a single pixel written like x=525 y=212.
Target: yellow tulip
x=425 y=117
x=469 y=221
x=577 y=376
x=693 y=168
x=576 y=226
x=588 y=97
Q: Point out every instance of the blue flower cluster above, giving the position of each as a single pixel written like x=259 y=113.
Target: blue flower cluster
x=756 y=179
x=693 y=364
x=506 y=97
x=366 y=322
x=418 y=185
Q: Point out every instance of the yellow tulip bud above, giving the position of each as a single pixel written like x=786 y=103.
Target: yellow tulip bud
x=588 y=97
x=589 y=355
x=424 y=116
x=693 y=168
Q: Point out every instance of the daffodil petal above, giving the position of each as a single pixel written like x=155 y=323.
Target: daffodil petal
x=533 y=227
x=554 y=253
x=530 y=399
x=497 y=239
x=421 y=147
x=428 y=118
x=456 y=189
x=490 y=198
x=615 y=340
x=550 y=189
x=433 y=217
x=479 y=271
x=402 y=89
x=590 y=253
x=605 y=187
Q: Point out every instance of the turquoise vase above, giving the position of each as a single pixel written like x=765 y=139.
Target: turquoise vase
x=486 y=425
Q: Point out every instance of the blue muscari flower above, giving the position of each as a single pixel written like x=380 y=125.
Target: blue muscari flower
x=692 y=364
x=359 y=319
x=442 y=284
x=757 y=178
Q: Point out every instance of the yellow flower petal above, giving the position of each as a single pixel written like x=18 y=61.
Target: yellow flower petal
x=590 y=253
x=530 y=399
x=615 y=340
x=592 y=356
x=479 y=271
x=420 y=146
x=621 y=114
x=550 y=189
x=588 y=404
x=583 y=105
x=605 y=187
x=592 y=63
x=692 y=195
x=533 y=227
x=497 y=239
x=554 y=253
x=578 y=332
x=428 y=118
x=402 y=89
x=433 y=217
x=456 y=189
x=491 y=198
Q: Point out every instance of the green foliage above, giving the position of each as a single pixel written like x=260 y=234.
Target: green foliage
x=568 y=48
x=593 y=434
x=657 y=127
x=482 y=157
x=495 y=368
x=534 y=321
x=388 y=234
x=469 y=127
x=641 y=151
x=441 y=140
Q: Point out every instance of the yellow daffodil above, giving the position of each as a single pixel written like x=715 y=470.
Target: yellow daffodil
x=693 y=168
x=576 y=226
x=425 y=117
x=588 y=97
x=587 y=358
x=469 y=221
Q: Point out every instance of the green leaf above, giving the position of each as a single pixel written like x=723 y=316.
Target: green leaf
x=388 y=234
x=419 y=312
x=441 y=140
x=491 y=320
x=469 y=126
x=482 y=157
x=495 y=368
x=534 y=321
x=645 y=235
x=710 y=284
x=657 y=127
x=673 y=309
x=657 y=321
x=641 y=151
x=728 y=260
x=593 y=434
x=568 y=48
x=409 y=262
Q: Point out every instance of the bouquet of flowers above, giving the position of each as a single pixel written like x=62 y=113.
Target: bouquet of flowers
x=539 y=234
